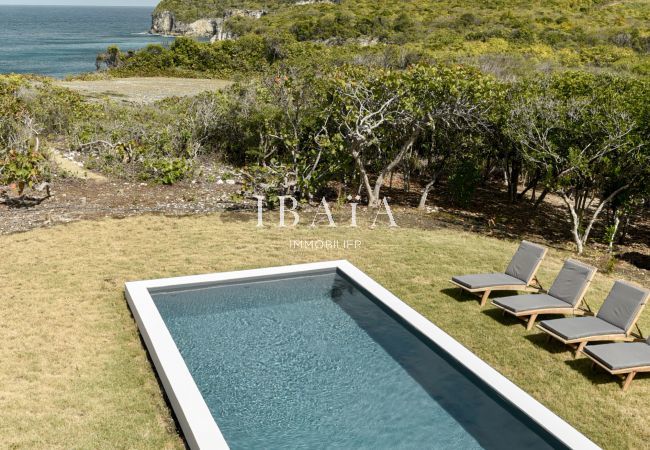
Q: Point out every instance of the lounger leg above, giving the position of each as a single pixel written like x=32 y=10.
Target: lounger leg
x=628 y=380
x=531 y=322
x=580 y=348
x=484 y=298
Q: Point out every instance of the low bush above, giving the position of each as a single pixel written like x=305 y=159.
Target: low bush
x=23 y=160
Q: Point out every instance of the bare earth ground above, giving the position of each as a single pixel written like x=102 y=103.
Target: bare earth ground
x=73 y=168
x=144 y=90
x=489 y=214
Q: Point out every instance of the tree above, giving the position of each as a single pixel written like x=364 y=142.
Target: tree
x=376 y=120
x=579 y=143
x=298 y=138
x=632 y=203
x=454 y=105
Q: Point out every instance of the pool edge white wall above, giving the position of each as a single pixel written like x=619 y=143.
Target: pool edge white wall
x=199 y=427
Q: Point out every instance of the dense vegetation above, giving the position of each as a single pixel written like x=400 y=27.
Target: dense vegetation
x=31 y=108
x=334 y=99
x=306 y=133
x=501 y=35
x=191 y=10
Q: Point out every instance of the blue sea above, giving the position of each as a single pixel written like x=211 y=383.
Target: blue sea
x=63 y=40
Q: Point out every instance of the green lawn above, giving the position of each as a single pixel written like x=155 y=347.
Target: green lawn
x=74 y=372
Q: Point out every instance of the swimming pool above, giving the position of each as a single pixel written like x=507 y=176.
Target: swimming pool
x=321 y=356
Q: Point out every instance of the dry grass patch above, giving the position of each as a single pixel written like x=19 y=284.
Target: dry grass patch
x=144 y=90
x=75 y=374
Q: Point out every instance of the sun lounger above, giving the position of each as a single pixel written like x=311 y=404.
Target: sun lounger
x=625 y=359
x=614 y=321
x=564 y=296
x=518 y=276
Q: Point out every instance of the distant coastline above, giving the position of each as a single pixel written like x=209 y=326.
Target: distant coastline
x=15 y=5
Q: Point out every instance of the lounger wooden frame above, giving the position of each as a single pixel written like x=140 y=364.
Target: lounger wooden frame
x=581 y=342
x=484 y=293
x=533 y=313
x=627 y=374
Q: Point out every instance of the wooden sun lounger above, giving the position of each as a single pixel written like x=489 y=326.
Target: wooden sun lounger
x=617 y=322
x=519 y=275
x=626 y=373
x=583 y=341
x=564 y=297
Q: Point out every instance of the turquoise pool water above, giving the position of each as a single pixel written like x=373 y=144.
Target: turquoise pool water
x=313 y=362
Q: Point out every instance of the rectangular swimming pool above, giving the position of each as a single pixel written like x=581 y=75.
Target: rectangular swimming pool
x=321 y=356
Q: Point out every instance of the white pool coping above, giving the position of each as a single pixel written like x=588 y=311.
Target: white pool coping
x=199 y=427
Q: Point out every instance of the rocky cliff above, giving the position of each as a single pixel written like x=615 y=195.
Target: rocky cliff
x=202 y=22
x=165 y=22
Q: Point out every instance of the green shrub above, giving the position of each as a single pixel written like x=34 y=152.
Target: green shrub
x=167 y=170
x=23 y=161
x=23 y=167
x=463 y=181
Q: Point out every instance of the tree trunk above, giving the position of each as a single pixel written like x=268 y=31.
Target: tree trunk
x=376 y=191
x=373 y=193
x=487 y=171
x=428 y=187
x=541 y=198
x=581 y=240
x=425 y=194
x=626 y=226
x=513 y=181
x=575 y=221
x=612 y=237
x=599 y=210
x=372 y=200
x=532 y=184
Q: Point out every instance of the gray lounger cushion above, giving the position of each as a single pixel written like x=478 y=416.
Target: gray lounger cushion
x=571 y=282
x=622 y=304
x=564 y=293
x=531 y=302
x=570 y=328
x=487 y=280
x=525 y=261
x=623 y=355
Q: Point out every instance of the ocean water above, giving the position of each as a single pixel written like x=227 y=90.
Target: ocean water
x=312 y=362
x=63 y=40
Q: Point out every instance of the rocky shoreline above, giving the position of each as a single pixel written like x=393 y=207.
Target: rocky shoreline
x=165 y=23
